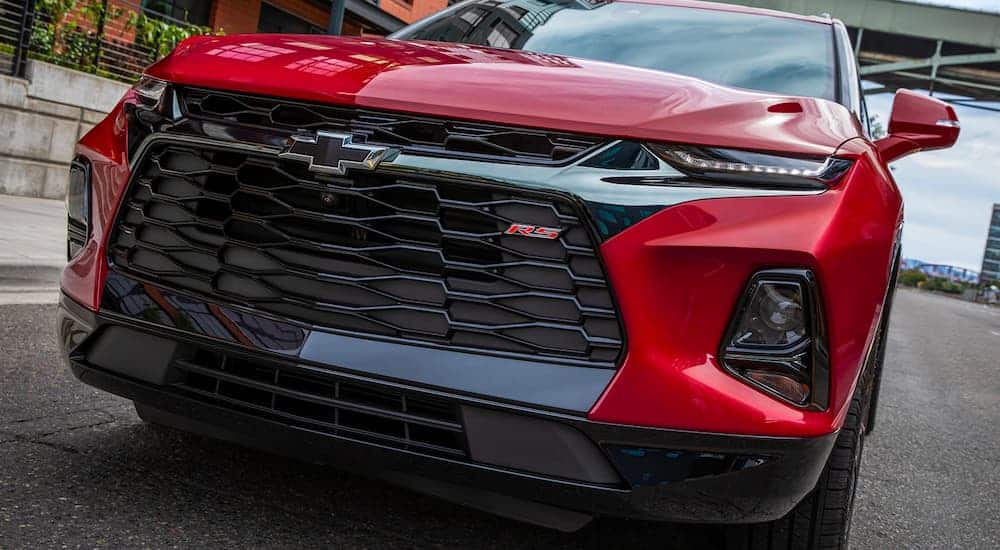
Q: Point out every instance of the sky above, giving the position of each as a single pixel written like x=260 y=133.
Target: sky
x=948 y=195
x=982 y=5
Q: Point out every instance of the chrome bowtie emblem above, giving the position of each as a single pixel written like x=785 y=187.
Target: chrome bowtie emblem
x=333 y=153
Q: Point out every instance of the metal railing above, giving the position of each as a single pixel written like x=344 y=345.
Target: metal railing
x=15 y=34
x=115 y=39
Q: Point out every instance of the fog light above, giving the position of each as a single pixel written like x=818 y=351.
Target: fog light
x=774 y=316
x=777 y=339
x=783 y=383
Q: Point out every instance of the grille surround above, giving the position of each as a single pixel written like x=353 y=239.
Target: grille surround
x=587 y=303
x=420 y=135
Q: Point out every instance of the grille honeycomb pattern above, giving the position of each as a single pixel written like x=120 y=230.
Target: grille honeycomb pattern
x=419 y=135
x=413 y=258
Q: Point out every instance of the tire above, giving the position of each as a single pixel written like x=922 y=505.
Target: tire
x=822 y=521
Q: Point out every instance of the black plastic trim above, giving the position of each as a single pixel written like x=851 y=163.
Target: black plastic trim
x=757 y=494
x=848 y=93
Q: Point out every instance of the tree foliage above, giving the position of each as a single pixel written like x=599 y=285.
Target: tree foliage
x=159 y=37
x=73 y=33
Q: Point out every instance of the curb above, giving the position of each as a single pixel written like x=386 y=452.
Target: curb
x=45 y=274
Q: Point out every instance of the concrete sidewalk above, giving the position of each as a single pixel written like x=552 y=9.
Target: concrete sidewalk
x=32 y=249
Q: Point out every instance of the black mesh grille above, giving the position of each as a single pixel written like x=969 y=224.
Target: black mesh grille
x=321 y=402
x=403 y=257
x=421 y=135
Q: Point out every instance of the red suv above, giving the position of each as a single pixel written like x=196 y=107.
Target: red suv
x=553 y=259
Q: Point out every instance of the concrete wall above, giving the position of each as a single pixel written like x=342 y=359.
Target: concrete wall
x=41 y=118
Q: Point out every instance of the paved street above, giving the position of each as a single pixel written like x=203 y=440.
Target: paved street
x=32 y=249
x=80 y=470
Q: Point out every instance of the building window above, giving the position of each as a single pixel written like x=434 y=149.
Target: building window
x=501 y=36
x=274 y=20
x=518 y=11
x=473 y=16
x=195 y=12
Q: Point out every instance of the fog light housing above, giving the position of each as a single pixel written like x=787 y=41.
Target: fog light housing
x=777 y=338
x=77 y=208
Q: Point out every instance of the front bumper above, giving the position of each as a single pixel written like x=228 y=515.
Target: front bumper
x=533 y=464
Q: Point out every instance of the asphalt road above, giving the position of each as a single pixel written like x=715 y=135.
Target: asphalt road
x=78 y=469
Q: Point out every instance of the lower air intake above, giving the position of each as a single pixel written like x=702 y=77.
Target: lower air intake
x=324 y=403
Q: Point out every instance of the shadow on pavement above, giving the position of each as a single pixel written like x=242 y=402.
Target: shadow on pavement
x=165 y=487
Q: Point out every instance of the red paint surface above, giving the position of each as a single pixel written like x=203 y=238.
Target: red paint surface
x=678 y=276
x=105 y=147
x=508 y=87
x=918 y=123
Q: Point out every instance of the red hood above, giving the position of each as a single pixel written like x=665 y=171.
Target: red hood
x=508 y=87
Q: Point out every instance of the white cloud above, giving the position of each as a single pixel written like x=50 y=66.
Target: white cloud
x=980 y=5
x=949 y=194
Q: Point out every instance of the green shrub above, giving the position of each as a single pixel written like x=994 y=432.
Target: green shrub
x=912 y=277
x=943 y=285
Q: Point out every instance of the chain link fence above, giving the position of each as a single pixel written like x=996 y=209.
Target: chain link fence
x=115 y=39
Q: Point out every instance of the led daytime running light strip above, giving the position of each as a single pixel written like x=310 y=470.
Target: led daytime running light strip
x=699 y=163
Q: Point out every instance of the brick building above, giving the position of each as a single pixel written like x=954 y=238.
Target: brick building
x=377 y=17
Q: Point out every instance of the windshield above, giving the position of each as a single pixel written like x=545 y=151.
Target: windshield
x=772 y=54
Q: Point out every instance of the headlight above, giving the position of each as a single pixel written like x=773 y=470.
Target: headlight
x=777 y=339
x=748 y=167
x=150 y=90
x=155 y=106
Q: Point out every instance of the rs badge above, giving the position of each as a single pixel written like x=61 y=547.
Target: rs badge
x=538 y=232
